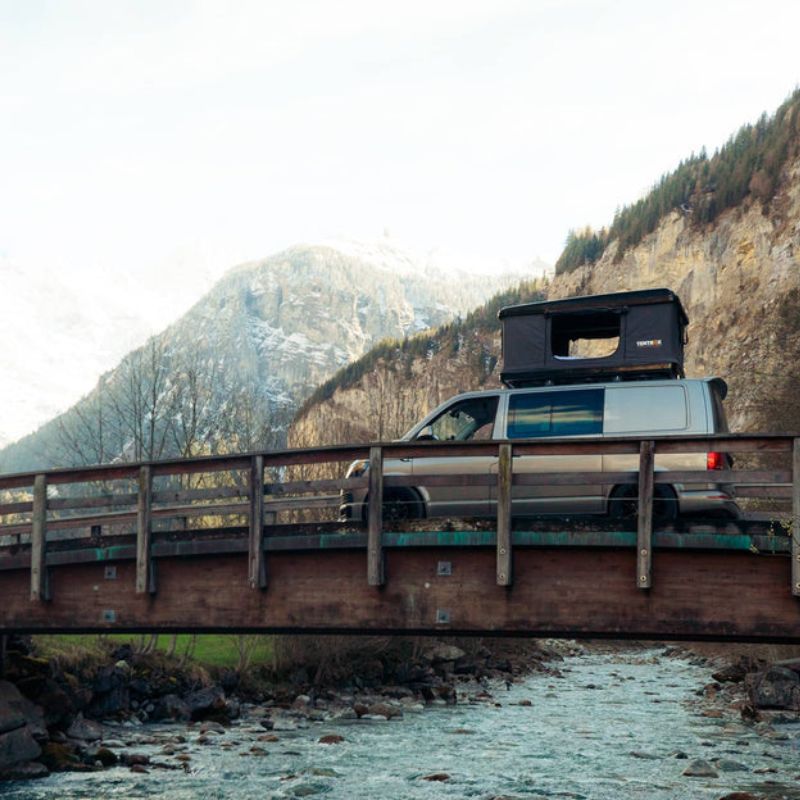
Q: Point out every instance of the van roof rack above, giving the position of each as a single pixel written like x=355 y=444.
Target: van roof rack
x=647 y=326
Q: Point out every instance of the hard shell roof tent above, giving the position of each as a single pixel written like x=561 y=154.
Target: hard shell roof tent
x=620 y=336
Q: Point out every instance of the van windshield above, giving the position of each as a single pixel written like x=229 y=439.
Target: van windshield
x=469 y=419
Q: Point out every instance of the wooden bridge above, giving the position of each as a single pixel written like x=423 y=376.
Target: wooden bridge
x=252 y=543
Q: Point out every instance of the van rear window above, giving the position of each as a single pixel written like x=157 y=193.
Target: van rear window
x=559 y=413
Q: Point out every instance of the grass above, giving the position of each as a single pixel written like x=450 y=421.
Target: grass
x=210 y=650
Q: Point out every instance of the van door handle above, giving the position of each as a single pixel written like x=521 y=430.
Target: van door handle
x=406 y=458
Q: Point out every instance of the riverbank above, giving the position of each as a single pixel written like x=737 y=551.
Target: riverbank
x=621 y=723
x=54 y=710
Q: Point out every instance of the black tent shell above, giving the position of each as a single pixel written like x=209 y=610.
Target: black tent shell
x=649 y=325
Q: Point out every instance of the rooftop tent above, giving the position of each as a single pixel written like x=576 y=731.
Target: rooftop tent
x=625 y=335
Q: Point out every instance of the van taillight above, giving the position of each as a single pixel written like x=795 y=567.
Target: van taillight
x=715 y=461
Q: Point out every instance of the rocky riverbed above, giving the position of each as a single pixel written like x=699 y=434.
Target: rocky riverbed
x=597 y=724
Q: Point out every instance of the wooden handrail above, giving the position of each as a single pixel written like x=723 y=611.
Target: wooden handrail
x=260 y=501
x=733 y=443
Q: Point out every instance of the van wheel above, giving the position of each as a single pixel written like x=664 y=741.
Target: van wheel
x=624 y=503
x=398 y=504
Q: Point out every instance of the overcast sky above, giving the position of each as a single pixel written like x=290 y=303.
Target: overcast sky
x=150 y=145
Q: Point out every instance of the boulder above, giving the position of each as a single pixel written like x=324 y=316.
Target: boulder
x=777 y=687
x=170 y=706
x=86 y=729
x=111 y=690
x=16 y=746
x=16 y=710
x=443 y=652
x=206 y=702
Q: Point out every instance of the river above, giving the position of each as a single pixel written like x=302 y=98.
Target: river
x=614 y=727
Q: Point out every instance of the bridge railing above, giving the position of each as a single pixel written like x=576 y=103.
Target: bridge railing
x=247 y=493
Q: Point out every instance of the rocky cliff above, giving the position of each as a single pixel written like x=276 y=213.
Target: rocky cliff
x=739 y=278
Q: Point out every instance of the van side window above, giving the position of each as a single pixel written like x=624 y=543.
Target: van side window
x=560 y=413
x=471 y=419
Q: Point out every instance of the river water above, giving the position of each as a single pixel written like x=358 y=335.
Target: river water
x=608 y=729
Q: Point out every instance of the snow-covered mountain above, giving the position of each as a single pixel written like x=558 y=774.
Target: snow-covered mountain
x=249 y=352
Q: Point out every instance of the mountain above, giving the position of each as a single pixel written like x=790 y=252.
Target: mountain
x=731 y=253
x=231 y=372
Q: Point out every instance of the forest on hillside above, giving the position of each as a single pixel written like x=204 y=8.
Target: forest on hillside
x=749 y=164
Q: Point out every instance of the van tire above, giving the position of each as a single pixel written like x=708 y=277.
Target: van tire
x=399 y=504
x=624 y=503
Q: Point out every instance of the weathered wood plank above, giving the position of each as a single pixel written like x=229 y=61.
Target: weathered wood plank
x=796 y=518
x=257 y=567
x=324 y=591
x=505 y=563
x=16 y=508
x=376 y=574
x=145 y=568
x=728 y=443
x=644 y=538
x=39 y=582
x=326 y=485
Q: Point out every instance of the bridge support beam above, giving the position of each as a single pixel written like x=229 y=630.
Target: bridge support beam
x=376 y=573
x=505 y=474
x=145 y=566
x=796 y=518
x=257 y=564
x=644 y=539
x=40 y=585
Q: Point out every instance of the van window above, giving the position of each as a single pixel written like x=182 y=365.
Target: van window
x=469 y=419
x=587 y=335
x=560 y=413
x=633 y=409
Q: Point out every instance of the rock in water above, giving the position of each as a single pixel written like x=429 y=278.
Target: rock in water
x=700 y=769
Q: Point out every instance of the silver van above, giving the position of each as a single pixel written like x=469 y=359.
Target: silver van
x=649 y=408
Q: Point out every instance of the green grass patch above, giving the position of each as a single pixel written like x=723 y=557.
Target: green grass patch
x=210 y=650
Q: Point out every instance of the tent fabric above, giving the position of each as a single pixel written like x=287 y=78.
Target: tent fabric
x=650 y=325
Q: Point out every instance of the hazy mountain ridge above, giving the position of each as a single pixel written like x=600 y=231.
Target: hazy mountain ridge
x=232 y=371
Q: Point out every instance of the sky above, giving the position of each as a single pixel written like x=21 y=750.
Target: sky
x=145 y=146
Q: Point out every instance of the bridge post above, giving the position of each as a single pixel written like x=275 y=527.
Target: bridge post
x=644 y=538
x=376 y=574
x=796 y=518
x=145 y=568
x=257 y=565
x=505 y=474
x=40 y=588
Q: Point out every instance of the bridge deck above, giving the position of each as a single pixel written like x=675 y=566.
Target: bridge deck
x=65 y=566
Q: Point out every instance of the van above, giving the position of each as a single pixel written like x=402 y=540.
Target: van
x=591 y=411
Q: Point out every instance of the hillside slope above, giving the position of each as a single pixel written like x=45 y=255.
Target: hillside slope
x=232 y=371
